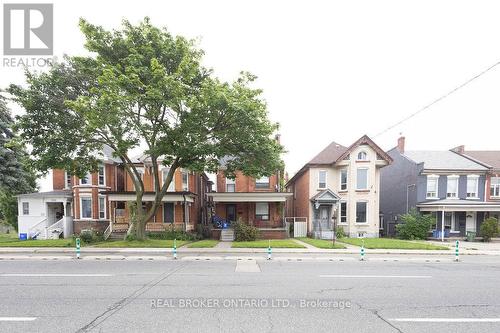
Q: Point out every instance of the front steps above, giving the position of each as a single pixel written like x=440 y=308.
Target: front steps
x=227 y=235
x=117 y=235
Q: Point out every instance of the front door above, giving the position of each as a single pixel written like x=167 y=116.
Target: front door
x=231 y=212
x=324 y=217
x=470 y=221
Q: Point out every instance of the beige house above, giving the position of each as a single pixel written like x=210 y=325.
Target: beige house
x=339 y=188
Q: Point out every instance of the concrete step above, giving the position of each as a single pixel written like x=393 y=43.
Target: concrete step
x=227 y=235
x=117 y=235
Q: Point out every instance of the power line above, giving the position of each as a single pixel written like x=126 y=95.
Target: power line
x=439 y=99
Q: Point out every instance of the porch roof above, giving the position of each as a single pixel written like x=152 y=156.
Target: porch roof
x=249 y=196
x=457 y=205
x=150 y=196
x=56 y=194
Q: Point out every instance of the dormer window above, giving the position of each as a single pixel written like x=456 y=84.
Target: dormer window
x=362 y=156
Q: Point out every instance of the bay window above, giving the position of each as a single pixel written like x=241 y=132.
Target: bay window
x=86 y=207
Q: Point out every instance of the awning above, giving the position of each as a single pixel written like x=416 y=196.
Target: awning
x=459 y=205
x=150 y=196
x=249 y=196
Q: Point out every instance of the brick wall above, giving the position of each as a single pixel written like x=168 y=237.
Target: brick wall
x=58 y=179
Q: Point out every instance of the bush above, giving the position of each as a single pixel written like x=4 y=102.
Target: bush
x=90 y=236
x=489 y=228
x=340 y=233
x=414 y=226
x=172 y=234
x=244 y=232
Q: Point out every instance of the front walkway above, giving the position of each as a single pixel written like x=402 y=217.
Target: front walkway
x=223 y=245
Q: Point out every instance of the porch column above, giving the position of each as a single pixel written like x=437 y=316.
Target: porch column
x=442 y=225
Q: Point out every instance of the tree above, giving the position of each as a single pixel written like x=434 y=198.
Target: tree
x=144 y=87
x=15 y=175
x=489 y=229
x=415 y=225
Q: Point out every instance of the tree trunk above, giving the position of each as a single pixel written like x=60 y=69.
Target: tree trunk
x=139 y=227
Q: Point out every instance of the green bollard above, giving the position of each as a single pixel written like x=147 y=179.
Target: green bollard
x=363 y=251
x=456 y=250
x=269 y=251
x=175 y=249
x=77 y=241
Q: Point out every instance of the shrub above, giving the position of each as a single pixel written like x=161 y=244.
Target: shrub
x=90 y=236
x=489 y=228
x=244 y=232
x=340 y=233
x=414 y=226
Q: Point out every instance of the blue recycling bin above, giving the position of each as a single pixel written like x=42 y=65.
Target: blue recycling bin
x=23 y=236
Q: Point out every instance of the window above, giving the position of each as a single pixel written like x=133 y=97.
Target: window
x=171 y=186
x=168 y=212
x=362 y=156
x=322 y=179
x=452 y=188
x=262 y=211
x=472 y=186
x=262 y=182
x=362 y=179
x=343 y=179
x=185 y=181
x=26 y=208
x=448 y=220
x=361 y=211
x=100 y=178
x=343 y=212
x=86 y=207
x=87 y=180
x=432 y=186
x=495 y=187
x=67 y=176
x=230 y=185
x=102 y=208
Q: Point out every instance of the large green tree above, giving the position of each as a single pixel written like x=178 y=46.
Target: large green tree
x=15 y=175
x=144 y=87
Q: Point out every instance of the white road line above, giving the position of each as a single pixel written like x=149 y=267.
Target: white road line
x=54 y=275
x=17 y=318
x=447 y=320
x=379 y=276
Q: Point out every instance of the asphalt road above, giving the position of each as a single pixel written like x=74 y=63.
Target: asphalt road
x=248 y=295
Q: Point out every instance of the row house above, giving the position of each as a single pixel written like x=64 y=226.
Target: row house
x=454 y=188
x=339 y=187
x=100 y=201
x=257 y=202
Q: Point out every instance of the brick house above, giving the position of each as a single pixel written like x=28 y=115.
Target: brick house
x=99 y=201
x=339 y=185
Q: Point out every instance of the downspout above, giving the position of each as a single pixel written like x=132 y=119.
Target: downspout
x=184 y=212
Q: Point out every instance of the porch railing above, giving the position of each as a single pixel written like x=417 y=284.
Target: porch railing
x=37 y=229
x=107 y=232
x=56 y=228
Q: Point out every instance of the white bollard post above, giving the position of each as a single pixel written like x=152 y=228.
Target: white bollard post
x=175 y=249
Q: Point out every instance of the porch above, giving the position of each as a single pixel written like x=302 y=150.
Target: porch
x=176 y=212
x=325 y=208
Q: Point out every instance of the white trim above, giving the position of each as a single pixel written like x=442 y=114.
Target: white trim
x=103 y=174
x=249 y=196
x=99 y=206
x=81 y=207
x=319 y=179
x=346 y=212
x=362 y=159
x=346 y=177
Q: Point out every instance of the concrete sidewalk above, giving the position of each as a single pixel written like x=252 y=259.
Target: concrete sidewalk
x=222 y=250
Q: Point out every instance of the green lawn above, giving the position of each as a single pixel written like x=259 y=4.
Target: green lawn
x=136 y=243
x=12 y=240
x=203 y=243
x=321 y=243
x=276 y=243
x=390 y=243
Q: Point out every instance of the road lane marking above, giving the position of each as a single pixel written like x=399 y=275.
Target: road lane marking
x=54 y=275
x=379 y=276
x=447 y=320
x=17 y=318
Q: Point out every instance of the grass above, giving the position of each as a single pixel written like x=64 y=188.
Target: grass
x=276 y=243
x=322 y=243
x=12 y=240
x=158 y=243
x=390 y=243
x=203 y=244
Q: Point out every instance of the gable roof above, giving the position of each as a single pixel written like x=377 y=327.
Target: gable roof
x=443 y=160
x=488 y=157
x=335 y=152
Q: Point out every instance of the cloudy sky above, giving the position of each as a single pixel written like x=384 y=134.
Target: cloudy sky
x=335 y=70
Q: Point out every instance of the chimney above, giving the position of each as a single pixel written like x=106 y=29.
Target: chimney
x=459 y=149
x=401 y=144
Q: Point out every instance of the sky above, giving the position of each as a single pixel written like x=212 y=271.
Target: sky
x=333 y=70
